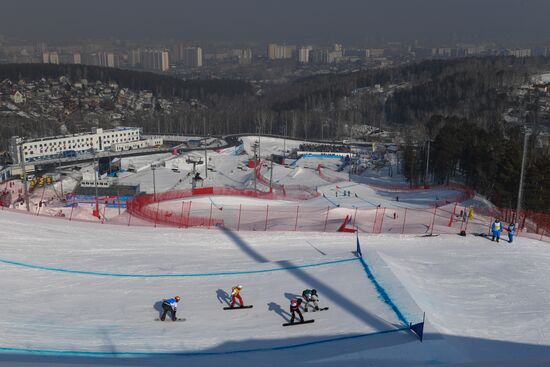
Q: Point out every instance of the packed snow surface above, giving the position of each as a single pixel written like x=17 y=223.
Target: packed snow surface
x=91 y=289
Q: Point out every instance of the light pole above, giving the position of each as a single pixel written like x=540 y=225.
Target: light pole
x=24 y=175
x=426 y=176
x=153 y=168
x=95 y=185
x=284 y=142
x=522 y=174
x=205 y=151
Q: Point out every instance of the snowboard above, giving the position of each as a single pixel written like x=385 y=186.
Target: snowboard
x=169 y=319
x=321 y=309
x=237 y=307
x=298 y=323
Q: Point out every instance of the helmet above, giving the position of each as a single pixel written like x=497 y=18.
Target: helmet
x=314 y=291
x=240 y=286
x=177 y=298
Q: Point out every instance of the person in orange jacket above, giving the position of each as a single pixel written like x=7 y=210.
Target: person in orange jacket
x=235 y=295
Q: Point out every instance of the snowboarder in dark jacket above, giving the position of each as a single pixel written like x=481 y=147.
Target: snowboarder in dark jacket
x=295 y=308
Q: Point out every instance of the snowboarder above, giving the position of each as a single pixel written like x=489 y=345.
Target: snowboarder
x=170 y=305
x=496 y=228
x=310 y=295
x=295 y=308
x=235 y=295
x=511 y=232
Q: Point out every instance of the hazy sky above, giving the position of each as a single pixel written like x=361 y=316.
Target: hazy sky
x=261 y=20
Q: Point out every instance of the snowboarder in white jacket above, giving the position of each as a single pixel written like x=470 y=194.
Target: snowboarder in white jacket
x=310 y=296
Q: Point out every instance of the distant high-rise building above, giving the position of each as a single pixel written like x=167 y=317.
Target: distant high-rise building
x=50 y=58
x=193 y=57
x=155 y=60
x=303 y=54
x=134 y=58
x=77 y=58
x=245 y=56
x=106 y=59
x=277 y=52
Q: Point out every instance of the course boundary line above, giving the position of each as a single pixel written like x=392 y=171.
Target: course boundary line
x=382 y=292
x=180 y=275
x=54 y=352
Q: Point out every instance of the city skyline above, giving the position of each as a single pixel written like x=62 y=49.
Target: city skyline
x=303 y=21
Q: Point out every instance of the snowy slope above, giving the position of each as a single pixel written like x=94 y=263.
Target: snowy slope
x=78 y=287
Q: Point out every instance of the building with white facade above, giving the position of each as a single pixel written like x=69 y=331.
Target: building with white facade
x=99 y=140
x=193 y=57
x=155 y=60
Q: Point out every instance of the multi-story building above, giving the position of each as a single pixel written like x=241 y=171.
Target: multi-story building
x=134 y=58
x=50 y=58
x=193 y=57
x=244 y=56
x=106 y=59
x=303 y=54
x=77 y=58
x=155 y=60
x=277 y=52
x=99 y=140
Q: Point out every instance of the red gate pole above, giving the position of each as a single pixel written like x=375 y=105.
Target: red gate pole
x=296 y=224
x=453 y=215
x=354 y=216
x=239 y=222
x=157 y=213
x=210 y=218
x=326 y=219
x=404 y=220
x=266 y=215
x=182 y=215
x=433 y=220
x=188 y=215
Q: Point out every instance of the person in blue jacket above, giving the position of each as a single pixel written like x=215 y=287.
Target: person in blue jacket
x=496 y=228
x=170 y=305
x=511 y=232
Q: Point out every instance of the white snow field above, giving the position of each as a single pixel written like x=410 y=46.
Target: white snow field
x=78 y=293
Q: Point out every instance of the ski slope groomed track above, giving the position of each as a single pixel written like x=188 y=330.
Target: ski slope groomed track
x=84 y=294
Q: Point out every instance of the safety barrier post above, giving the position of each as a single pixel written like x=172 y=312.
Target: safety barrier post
x=188 y=215
x=129 y=216
x=326 y=219
x=433 y=221
x=404 y=219
x=182 y=211
x=266 y=215
x=542 y=234
x=157 y=213
x=382 y=222
x=71 y=215
x=239 y=221
x=104 y=210
x=210 y=218
x=354 y=216
x=375 y=219
x=40 y=203
x=296 y=224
